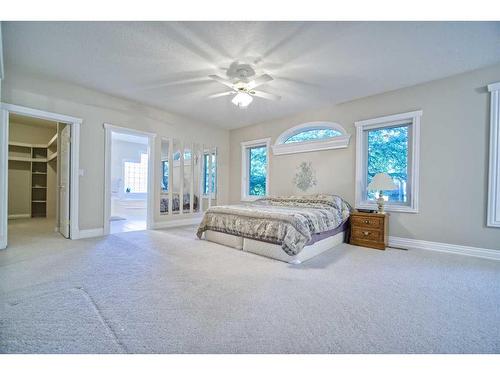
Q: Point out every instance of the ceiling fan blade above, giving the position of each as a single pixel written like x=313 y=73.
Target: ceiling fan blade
x=221 y=80
x=259 y=81
x=265 y=95
x=221 y=94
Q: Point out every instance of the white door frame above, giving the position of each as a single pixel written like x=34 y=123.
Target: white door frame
x=75 y=123
x=109 y=129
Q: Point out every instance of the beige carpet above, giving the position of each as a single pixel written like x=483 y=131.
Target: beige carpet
x=167 y=292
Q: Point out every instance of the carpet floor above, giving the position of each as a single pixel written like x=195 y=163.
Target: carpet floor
x=165 y=291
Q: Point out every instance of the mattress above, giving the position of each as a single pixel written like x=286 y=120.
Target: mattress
x=274 y=251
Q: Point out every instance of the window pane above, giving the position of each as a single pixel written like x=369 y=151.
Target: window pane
x=257 y=171
x=206 y=173
x=388 y=152
x=187 y=179
x=136 y=176
x=313 y=134
x=164 y=181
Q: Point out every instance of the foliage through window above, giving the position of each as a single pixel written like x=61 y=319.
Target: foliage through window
x=389 y=144
x=257 y=170
x=313 y=135
x=136 y=175
x=206 y=173
x=388 y=152
x=164 y=180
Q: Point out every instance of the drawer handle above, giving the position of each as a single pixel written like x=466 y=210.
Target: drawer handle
x=366 y=233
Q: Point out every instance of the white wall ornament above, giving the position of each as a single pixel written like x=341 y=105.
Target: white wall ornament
x=305 y=177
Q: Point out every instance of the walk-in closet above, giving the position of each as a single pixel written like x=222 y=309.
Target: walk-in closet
x=33 y=184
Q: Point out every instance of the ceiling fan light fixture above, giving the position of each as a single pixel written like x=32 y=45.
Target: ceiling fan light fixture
x=242 y=99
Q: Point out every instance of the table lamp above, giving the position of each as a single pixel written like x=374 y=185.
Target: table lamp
x=381 y=182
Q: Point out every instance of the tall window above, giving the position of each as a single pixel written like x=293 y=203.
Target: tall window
x=388 y=153
x=389 y=145
x=136 y=176
x=255 y=177
x=206 y=173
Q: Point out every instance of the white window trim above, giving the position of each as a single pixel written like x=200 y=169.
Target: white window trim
x=493 y=211
x=383 y=122
x=244 y=167
x=282 y=148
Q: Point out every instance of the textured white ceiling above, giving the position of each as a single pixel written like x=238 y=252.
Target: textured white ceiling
x=165 y=64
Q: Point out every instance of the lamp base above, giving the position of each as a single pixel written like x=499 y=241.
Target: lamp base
x=380 y=203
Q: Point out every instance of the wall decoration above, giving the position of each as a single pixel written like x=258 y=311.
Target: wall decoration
x=305 y=178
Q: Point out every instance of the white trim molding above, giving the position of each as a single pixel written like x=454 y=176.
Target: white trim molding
x=178 y=222
x=408 y=243
x=411 y=118
x=2 y=72
x=109 y=129
x=282 y=148
x=493 y=211
x=244 y=167
x=4 y=176
x=90 y=233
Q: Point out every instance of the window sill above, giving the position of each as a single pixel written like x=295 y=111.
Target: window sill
x=295 y=148
x=388 y=207
x=252 y=198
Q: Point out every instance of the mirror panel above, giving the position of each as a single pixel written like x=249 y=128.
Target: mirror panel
x=197 y=158
x=188 y=177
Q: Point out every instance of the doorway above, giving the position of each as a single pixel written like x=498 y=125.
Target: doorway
x=128 y=180
x=39 y=155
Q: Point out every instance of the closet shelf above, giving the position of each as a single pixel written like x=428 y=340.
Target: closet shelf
x=54 y=138
x=38 y=172
x=27 y=145
x=19 y=158
x=39 y=187
x=53 y=156
x=38 y=201
x=33 y=160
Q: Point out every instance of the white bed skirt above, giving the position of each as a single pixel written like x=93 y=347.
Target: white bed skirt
x=275 y=251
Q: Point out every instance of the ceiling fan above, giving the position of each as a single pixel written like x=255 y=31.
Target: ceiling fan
x=242 y=83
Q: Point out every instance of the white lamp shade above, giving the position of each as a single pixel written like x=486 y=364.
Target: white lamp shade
x=382 y=181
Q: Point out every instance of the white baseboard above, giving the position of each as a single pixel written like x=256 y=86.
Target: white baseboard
x=19 y=216
x=89 y=233
x=478 y=252
x=177 y=223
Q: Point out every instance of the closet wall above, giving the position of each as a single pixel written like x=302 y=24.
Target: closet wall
x=32 y=185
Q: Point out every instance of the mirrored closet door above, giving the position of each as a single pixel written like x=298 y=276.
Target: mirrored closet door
x=188 y=177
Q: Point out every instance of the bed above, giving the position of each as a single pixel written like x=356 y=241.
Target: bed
x=291 y=229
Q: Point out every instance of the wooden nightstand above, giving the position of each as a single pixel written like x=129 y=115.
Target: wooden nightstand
x=369 y=230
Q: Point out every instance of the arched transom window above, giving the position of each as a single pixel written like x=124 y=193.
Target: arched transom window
x=312 y=136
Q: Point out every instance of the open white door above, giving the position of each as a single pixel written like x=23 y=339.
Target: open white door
x=64 y=180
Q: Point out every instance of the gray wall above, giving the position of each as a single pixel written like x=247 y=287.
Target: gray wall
x=453 y=162
x=23 y=88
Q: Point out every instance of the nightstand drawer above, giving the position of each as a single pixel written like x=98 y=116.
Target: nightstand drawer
x=366 y=221
x=367 y=234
